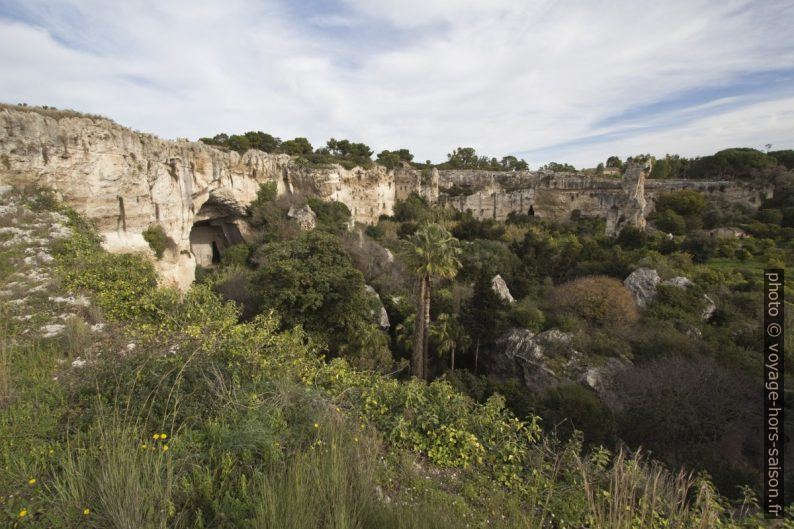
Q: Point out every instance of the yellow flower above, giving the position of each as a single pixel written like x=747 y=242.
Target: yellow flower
x=156 y=436
x=143 y=446
x=86 y=511
x=316 y=425
x=355 y=439
x=23 y=513
x=32 y=481
x=163 y=436
x=165 y=448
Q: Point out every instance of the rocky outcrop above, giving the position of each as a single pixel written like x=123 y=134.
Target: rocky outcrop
x=709 y=308
x=304 y=217
x=679 y=282
x=630 y=211
x=382 y=315
x=643 y=282
x=547 y=359
x=500 y=288
x=642 y=285
x=126 y=181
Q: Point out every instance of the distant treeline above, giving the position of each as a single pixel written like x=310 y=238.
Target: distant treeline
x=728 y=164
x=350 y=154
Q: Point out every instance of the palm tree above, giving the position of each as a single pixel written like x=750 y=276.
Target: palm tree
x=449 y=335
x=432 y=253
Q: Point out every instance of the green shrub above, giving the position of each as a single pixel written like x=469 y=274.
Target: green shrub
x=331 y=215
x=157 y=239
x=570 y=407
x=671 y=222
x=236 y=255
x=525 y=313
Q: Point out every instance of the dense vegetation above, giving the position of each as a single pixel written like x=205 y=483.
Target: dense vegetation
x=566 y=277
x=269 y=395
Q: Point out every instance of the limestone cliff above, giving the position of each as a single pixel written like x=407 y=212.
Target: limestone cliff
x=126 y=181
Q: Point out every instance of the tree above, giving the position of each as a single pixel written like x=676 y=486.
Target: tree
x=599 y=301
x=311 y=281
x=511 y=163
x=432 y=253
x=349 y=153
x=463 y=158
x=413 y=208
x=483 y=315
x=391 y=159
x=742 y=163
x=670 y=222
x=449 y=335
x=559 y=167
x=297 y=147
x=614 y=161
x=685 y=202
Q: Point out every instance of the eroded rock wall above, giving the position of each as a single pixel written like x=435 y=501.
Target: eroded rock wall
x=126 y=181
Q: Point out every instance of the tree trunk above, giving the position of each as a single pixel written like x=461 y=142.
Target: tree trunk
x=452 y=365
x=417 y=362
x=426 y=328
x=476 y=354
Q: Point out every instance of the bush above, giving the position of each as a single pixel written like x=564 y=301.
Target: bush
x=413 y=208
x=526 y=314
x=671 y=222
x=597 y=300
x=236 y=255
x=570 y=407
x=157 y=239
x=311 y=282
x=332 y=216
x=693 y=412
x=376 y=232
x=685 y=202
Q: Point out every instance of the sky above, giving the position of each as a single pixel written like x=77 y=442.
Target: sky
x=566 y=81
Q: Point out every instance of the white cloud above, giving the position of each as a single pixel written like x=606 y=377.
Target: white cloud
x=432 y=75
x=753 y=125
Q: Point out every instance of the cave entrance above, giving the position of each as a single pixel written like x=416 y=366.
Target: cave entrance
x=216 y=228
x=216 y=254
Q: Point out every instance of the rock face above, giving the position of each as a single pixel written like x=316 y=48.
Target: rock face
x=631 y=209
x=642 y=285
x=709 y=309
x=679 y=281
x=382 y=316
x=547 y=359
x=126 y=182
x=500 y=287
x=304 y=217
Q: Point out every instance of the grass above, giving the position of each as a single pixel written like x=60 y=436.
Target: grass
x=755 y=265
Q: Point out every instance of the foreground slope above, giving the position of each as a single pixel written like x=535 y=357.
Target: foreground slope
x=125 y=405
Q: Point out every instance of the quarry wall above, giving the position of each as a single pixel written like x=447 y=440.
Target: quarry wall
x=127 y=181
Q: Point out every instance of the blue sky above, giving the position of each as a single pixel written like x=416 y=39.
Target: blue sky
x=545 y=80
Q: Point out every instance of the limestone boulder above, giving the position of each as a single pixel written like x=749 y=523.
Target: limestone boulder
x=500 y=288
x=642 y=285
x=709 y=308
x=679 y=282
x=380 y=314
x=304 y=217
